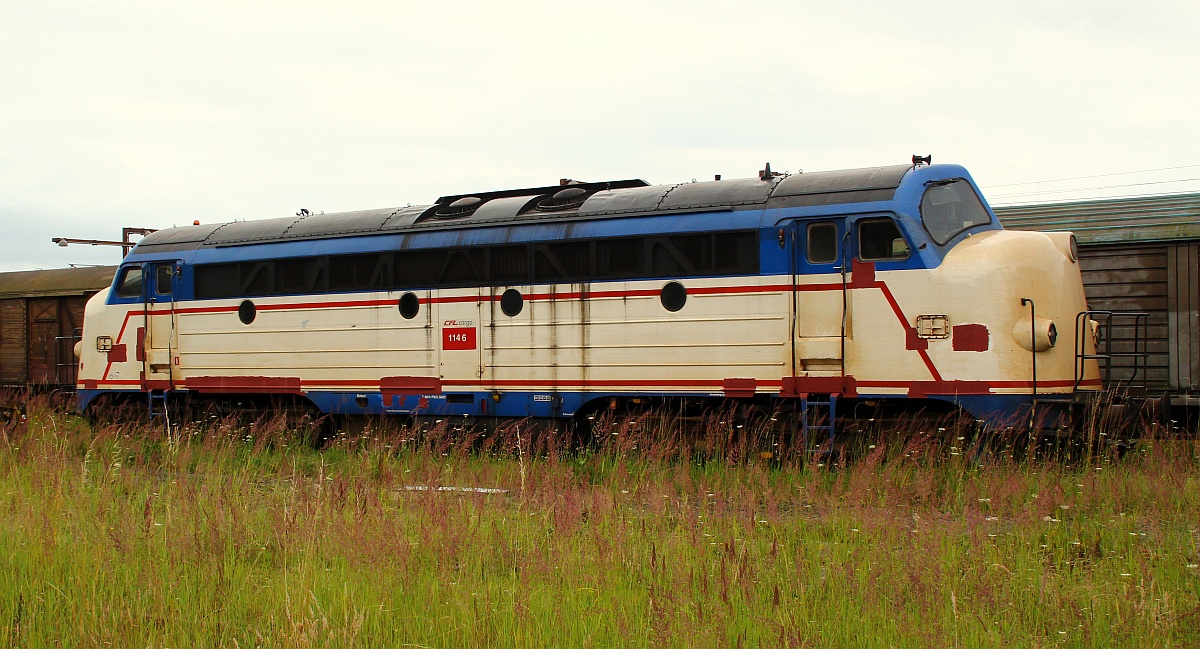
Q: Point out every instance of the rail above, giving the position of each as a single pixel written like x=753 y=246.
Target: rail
x=1106 y=322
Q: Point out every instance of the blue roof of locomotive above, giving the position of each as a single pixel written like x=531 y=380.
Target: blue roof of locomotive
x=628 y=207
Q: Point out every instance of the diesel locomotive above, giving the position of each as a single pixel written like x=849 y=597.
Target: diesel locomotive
x=891 y=285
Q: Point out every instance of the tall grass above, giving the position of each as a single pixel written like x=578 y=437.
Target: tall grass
x=244 y=536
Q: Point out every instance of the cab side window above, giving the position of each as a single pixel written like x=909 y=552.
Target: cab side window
x=822 y=243
x=162 y=279
x=131 y=282
x=880 y=240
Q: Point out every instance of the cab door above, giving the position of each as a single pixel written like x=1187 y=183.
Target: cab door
x=161 y=344
x=458 y=344
x=821 y=301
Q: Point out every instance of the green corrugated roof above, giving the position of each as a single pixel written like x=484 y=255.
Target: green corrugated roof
x=1121 y=220
x=58 y=281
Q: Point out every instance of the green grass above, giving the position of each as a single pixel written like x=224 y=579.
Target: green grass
x=228 y=537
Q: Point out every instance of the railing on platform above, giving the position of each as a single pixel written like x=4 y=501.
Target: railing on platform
x=1102 y=335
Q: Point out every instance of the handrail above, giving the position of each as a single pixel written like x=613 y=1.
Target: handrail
x=1032 y=339
x=1103 y=342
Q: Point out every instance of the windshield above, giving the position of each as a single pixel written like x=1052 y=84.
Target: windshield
x=949 y=207
x=131 y=282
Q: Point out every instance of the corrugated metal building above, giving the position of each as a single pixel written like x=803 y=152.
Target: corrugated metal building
x=1137 y=254
x=41 y=313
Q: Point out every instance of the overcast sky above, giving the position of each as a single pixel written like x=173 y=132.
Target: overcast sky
x=153 y=114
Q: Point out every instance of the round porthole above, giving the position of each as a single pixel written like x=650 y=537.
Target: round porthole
x=409 y=305
x=511 y=302
x=246 y=312
x=673 y=296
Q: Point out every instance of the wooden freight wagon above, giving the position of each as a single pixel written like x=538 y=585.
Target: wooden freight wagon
x=41 y=316
x=1138 y=255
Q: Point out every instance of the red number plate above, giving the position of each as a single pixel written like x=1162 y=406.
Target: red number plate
x=458 y=338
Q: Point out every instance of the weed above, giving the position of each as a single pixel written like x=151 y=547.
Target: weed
x=235 y=533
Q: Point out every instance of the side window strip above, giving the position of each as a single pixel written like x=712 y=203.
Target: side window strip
x=680 y=255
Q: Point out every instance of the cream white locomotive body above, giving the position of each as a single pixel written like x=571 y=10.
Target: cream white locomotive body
x=893 y=283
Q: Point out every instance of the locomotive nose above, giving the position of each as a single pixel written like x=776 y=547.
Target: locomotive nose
x=1027 y=286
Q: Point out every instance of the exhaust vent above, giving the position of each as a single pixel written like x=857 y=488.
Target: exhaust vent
x=459 y=208
x=563 y=200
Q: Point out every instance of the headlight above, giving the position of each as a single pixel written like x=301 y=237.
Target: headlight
x=1036 y=337
x=1066 y=244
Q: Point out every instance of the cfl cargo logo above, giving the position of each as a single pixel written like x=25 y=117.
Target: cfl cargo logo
x=458 y=334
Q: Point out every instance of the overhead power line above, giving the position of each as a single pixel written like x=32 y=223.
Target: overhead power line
x=1096 y=189
x=1119 y=173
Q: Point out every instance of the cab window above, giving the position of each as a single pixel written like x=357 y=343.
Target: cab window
x=162 y=279
x=822 y=243
x=130 y=284
x=950 y=207
x=880 y=240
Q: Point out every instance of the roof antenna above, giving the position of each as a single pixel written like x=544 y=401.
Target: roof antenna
x=918 y=160
x=767 y=174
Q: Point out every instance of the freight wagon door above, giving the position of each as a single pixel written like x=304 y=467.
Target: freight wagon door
x=43 y=330
x=13 y=346
x=162 y=331
x=820 y=299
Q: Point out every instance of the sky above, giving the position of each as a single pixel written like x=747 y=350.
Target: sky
x=153 y=114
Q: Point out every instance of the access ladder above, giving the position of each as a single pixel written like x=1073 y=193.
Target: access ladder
x=818 y=413
x=157 y=402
